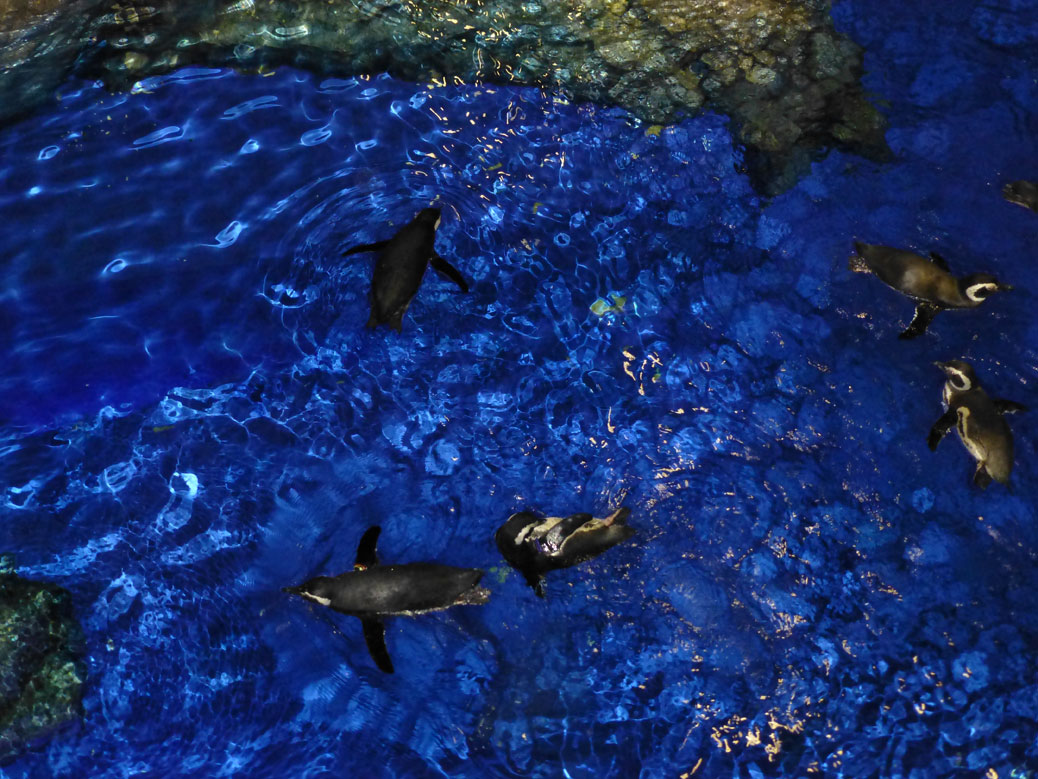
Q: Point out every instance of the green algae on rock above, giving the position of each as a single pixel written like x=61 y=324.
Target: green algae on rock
x=778 y=68
x=41 y=663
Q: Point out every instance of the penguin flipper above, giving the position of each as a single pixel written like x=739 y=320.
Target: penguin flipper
x=940 y=262
x=537 y=582
x=941 y=428
x=366 y=556
x=924 y=314
x=1004 y=406
x=375 y=638
x=982 y=478
x=448 y=271
x=365 y=247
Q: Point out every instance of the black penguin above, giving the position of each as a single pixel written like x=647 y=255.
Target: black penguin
x=927 y=281
x=978 y=419
x=372 y=591
x=401 y=263
x=534 y=545
x=1023 y=193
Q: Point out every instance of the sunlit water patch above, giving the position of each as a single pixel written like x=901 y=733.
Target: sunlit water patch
x=195 y=417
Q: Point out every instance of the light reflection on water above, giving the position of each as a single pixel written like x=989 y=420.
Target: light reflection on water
x=637 y=332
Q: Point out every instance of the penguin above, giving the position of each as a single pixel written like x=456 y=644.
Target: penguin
x=372 y=591
x=1023 y=193
x=534 y=545
x=927 y=281
x=400 y=265
x=979 y=421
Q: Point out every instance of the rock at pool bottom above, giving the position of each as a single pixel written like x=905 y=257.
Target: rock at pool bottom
x=42 y=667
x=778 y=68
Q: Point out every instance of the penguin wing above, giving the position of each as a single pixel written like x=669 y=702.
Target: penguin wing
x=365 y=247
x=366 y=556
x=941 y=428
x=981 y=477
x=1004 y=406
x=924 y=314
x=448 y=271
x=940 y=262
x=375 y=638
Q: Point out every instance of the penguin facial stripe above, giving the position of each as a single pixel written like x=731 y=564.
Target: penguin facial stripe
x=980 y=292
x=317 y=598
x=959 y=380
x=537 y=531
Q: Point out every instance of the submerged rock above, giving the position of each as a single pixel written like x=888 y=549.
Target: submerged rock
x=778 y=68
x=41 y=662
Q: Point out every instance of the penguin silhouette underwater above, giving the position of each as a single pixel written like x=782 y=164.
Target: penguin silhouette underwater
x=534 y=545
x=372 y=592
x=979 y=421
x=927 y=281
x=400 y=266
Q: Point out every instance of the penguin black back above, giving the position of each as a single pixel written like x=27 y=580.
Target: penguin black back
x=372 y=591
x=401 y=265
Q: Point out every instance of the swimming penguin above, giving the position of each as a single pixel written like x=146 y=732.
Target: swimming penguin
x=978 y=419
x=401 y=263
x=927 y=281
x=534 y=545
x=372 y=591
x=1023 y=193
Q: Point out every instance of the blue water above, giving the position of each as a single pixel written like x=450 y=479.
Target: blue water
x=194 y=417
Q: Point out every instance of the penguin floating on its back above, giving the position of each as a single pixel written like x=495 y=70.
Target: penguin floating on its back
x=978 y=419
x=927 y=281
x=534 y=545
x=372 y=591
x=401 y=263
x=1023 y=193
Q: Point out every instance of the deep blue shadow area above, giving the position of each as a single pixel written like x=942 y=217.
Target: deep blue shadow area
x=195 y=417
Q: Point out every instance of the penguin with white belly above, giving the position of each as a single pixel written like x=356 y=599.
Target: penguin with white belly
x=979 y=421
x=929 y=282
x=372 y=592
x=534 y=545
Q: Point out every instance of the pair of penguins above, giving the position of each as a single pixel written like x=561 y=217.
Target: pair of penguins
x=533 y=544
x=929 y=282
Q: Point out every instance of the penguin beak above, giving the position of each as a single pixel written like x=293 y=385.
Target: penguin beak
x=293 y=590
x=941 y=365
x=1005 y=287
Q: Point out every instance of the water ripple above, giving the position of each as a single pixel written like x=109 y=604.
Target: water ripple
x=166 y=134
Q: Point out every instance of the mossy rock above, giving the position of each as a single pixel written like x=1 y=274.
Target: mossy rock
x=42 y=664
x=659 y=59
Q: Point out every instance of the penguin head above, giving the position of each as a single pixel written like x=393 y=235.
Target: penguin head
x=978 y=286
x=318 y=590
x=961 y=377
x=429 y=216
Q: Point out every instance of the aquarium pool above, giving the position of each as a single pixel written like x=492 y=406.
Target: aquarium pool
x=194 y=417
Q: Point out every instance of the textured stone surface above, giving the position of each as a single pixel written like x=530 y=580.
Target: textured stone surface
x=41 y=669
x=789 y=81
